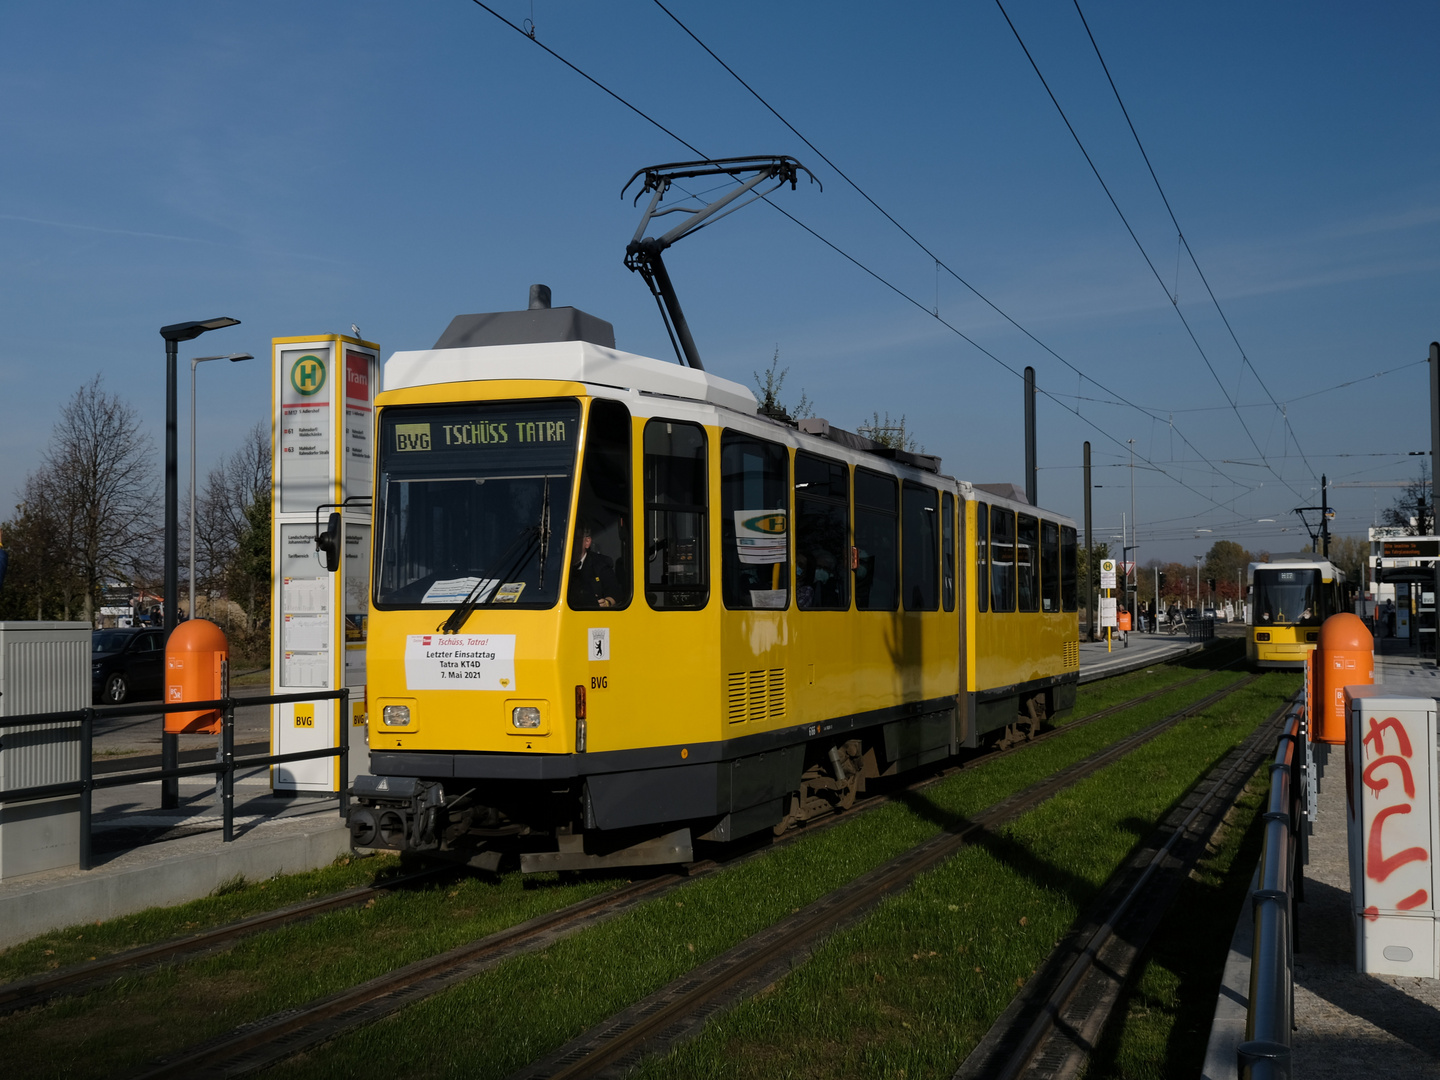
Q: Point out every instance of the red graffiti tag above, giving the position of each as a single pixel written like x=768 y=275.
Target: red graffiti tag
x=1414 y=900
x=1377 y=867
x=1377 y=728
x=1377 y=785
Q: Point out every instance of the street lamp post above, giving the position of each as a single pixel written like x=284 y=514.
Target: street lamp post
x=173 y=335
x=1134 y=539
x=194 y=363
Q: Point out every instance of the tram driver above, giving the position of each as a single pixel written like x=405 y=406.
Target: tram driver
x=592 y=574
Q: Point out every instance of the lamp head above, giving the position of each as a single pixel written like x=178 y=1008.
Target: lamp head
x=187 y=331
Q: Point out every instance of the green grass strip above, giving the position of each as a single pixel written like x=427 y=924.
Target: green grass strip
x=912 y=989
x=238 y=900
x=136 y=1019
x=521 y=1010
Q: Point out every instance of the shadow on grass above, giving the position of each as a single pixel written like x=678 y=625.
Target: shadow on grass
x=1161 y=1025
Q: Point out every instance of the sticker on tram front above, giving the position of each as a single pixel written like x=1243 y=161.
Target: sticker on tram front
x=460 y=662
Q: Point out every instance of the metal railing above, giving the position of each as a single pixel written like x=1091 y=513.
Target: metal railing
x=223 y=768
x=1265 y=1053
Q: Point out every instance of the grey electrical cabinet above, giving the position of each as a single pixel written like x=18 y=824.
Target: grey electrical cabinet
x=44 y=667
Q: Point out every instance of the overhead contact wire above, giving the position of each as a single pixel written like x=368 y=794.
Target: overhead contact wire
x=1139 y=246
x=939 y=262
x=1180 y=233
x=856 y=262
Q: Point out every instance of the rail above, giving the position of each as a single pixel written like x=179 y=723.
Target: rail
x=1265 y=1053
x=223 y=768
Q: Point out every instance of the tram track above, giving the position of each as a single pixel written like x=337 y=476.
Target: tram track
x=37 y=990
x=82 y=978
x=662 y=1018
x=1049 y=1030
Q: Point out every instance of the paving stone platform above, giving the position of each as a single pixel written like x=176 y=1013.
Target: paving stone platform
x=1347 y=1024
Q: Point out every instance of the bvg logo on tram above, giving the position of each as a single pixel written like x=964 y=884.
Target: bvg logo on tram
x=412 y=436
x=307 y=375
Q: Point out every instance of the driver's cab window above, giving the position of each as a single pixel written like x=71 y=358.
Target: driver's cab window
x=601 y=569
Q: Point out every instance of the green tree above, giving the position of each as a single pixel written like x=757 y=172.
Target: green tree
x=36 y=584
x=1087 y=569
x=1226 y=562
x=1352 y=555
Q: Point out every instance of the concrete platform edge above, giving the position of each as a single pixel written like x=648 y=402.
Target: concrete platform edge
x=1123 y=665
x=101 y=894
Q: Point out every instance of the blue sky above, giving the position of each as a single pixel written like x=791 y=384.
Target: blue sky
x=305 y=166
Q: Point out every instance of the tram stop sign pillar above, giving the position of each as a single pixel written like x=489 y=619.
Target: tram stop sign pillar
x=323 y=395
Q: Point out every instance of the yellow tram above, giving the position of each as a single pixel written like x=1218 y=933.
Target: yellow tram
x=615 y=610
x=1290 y=596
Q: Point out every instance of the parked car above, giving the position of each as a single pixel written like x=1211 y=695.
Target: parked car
x=1191 y=613
x=1208 y=613
x=126 y=665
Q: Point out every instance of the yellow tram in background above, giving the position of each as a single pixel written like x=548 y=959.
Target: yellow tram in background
x=1289 y=597
x=616 y=610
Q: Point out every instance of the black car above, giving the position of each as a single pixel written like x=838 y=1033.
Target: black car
x=126 y=664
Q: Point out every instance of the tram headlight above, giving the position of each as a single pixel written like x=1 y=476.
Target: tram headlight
x=395 y=716
x=1262 y=635
x=525 y=717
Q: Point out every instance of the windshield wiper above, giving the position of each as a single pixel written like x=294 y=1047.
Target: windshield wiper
x=457 y=617
x=539 y=533
x=544 y=528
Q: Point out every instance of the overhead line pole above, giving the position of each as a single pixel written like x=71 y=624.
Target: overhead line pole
x=1031 y=481
x=1089 y=553
x=1434 y=460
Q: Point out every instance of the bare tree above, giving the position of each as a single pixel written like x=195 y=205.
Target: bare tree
x=97 y=490
x=228 y=514
x=891 y=433
x=770 y=385
x=1414 y=509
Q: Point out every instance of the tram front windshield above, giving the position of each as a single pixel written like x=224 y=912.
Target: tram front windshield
x=1287 y=598
x=473 y=503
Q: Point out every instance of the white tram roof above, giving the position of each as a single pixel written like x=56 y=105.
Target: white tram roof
x=565 y=361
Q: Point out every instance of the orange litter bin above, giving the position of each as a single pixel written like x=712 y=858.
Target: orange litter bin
x=1122 y=621
x=1344 y=657
x=195 y=659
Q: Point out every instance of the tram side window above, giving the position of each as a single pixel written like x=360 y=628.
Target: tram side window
x=1027 y=544
x=1002 y=559
x=920 y=536
x=822 y=534
x=600 y=562
x=877 y=530
x=1069 y=569
x=982 y=556
x=754 y=523
x=1049 y=566
x=677 y=567
x=947 y=550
